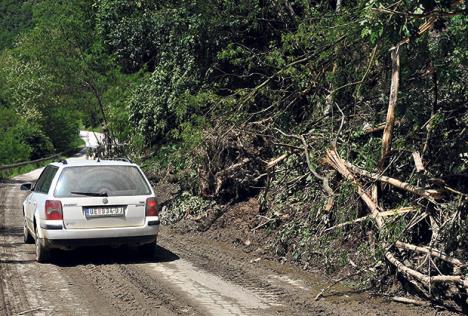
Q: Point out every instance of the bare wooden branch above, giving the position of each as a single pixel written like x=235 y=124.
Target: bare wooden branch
x=430 y=123
x=268 y=220
x=333 y=159
x=427 y=193
x=388 y=213
x=24 y=163
x=425 y=279
x=221 y=175
x=277 y=160
x=379 y=127
x=410 y=301
x=387 y=135
x=418 y=162
x=320 y=294
x=433 y=252
x=234 y=166
x=374 y=129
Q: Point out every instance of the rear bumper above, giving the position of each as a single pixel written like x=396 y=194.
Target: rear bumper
x=55 y=236
x=67 y=244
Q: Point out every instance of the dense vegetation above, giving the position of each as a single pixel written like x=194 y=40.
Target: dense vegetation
x=47 y=77
x=240 y=99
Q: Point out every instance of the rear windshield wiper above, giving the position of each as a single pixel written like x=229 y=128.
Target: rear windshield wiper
x=90 y=193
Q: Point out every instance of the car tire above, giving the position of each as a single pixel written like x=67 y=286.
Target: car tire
x=42 y=252
x=28 y=239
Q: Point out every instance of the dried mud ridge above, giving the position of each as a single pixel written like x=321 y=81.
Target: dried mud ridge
x=189 y=275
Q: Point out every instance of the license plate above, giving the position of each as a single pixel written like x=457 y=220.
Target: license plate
x=107 y=211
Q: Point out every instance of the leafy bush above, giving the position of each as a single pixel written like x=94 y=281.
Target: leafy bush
x=63 y=128
x=13 y=146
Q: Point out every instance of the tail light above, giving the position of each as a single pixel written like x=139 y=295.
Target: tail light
x=53 y=209
x=151 y=207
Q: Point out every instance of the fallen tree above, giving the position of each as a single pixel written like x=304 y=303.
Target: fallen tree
x=428 y=281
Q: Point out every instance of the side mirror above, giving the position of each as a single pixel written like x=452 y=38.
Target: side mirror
x=26 y=187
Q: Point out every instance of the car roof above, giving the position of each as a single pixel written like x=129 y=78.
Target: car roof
x=74 y=162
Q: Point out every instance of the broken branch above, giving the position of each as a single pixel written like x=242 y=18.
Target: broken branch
x=425 y=279
x=433 y=252
x=430 y=194
x=274 y=162
x=388 y=213
x=325 y=182
x=388 y=129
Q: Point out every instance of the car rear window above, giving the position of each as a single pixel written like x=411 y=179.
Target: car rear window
x=112 y=180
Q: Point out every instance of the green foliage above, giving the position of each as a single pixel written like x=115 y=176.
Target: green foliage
x=21 y=140
x=13 y=147
x=187 y=205
x=156 y=107
x=54 y=74
x=37 y=139
x=16 y=16
x=62 y=128
x=126 y=28
x=26 y=87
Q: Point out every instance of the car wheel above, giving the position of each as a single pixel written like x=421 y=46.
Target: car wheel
x=42 y=252
x=26 y=234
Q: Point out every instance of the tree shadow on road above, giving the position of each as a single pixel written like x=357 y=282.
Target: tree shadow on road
x=109 y=255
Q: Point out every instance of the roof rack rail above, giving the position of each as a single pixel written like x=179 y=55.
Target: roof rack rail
x=120 y=159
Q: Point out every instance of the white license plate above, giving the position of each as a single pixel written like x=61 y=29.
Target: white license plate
x=104 y=211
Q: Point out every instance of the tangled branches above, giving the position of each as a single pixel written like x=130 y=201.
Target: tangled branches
x=232 y=168
x=434 y=277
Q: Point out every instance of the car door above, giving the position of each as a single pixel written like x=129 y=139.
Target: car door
x=30 y=204
x=39 y=195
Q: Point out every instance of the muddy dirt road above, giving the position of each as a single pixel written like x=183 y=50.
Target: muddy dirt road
x=189 y=275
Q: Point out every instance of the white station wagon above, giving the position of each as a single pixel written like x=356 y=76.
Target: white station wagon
x=87 y=203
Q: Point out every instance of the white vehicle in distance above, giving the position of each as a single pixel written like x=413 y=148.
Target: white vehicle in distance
x=90 y=203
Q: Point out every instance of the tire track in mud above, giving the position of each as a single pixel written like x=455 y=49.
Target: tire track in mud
x=113 y=284
x=13 y=287
x=135 y=289
x=282 y=297
x=153 y=288
x=216 y=295
x=3 y=308
x=285 y=285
